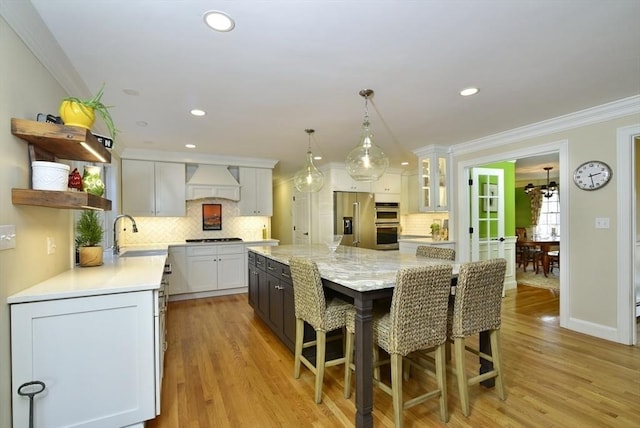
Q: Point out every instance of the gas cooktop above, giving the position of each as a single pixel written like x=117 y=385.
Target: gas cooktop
x=213 y=239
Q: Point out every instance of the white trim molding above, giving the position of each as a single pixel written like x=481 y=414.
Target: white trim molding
x=627 y=233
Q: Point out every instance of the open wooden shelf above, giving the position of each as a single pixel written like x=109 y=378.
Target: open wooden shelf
x=59 y=199
x=60 y=140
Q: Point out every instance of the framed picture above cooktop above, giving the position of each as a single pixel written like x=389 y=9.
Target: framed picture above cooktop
x=211 y=216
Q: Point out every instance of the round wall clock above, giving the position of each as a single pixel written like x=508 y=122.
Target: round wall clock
x=592 y=175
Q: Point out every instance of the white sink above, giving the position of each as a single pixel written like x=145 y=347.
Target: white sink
x=143 y=253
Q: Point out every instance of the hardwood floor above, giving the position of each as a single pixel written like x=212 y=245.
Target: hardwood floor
x=224 y=368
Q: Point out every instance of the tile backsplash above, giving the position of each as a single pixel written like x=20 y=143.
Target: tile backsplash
x=419 y=224
x=176 y=229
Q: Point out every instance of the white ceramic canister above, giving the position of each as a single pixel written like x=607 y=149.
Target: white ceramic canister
x=50 y=175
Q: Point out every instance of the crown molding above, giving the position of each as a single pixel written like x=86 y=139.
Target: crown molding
x=198 y=158
x=613 y=110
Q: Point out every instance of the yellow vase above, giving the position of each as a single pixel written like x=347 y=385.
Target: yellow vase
x=75 y=114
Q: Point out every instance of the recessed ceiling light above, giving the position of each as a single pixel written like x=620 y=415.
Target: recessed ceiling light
x=190 y=146
x=404 y=163
x=317 y=158
x=198 y=112
x=469 y=91
x=131 y=92
x=218 y=21
x=141 y=123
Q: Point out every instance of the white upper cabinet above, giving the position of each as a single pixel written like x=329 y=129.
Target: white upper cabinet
x=256 y=191
x=433 y=179
x=389 y=184
x=341 y=181
x=153 y=189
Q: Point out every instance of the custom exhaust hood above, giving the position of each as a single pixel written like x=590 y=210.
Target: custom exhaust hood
x=212 y=181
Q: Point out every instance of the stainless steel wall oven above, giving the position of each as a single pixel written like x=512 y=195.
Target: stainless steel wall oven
x=387 y=225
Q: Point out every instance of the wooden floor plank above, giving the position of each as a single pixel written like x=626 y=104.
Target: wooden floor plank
x=224 y=368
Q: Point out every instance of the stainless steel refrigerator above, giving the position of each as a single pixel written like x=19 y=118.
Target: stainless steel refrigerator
x=354 y=218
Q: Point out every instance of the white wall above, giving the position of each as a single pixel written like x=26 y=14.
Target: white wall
x=27 y=89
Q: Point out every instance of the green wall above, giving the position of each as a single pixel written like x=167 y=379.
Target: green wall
x=522 y=208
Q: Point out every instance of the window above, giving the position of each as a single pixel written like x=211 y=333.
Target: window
x=549 y=220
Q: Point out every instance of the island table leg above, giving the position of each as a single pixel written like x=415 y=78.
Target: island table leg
x=363 y=362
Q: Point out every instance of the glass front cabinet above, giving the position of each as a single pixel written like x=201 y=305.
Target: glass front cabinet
x=433 y=179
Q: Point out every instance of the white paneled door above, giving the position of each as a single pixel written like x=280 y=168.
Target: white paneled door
x=487 y=213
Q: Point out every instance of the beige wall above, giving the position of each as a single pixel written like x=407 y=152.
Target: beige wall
x=637 y=171
x=282 y=220
x=593 y=252
x=27 y=89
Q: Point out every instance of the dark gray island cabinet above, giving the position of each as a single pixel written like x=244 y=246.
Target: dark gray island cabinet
x=271 y=296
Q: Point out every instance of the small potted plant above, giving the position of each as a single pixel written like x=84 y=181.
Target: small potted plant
x=435 y=231
x=78 y=112
x=89 y=232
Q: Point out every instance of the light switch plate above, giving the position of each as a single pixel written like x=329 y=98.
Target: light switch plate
x=7 y=237
x=602 y=223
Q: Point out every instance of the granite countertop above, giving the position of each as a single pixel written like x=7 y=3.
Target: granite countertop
x=357 y=268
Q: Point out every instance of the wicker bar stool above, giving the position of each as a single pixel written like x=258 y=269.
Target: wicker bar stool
x=476 y=308
x=417 y=321
x=322 y=314
x=436 y=252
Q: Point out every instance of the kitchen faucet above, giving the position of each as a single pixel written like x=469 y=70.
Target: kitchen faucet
x=116 y=247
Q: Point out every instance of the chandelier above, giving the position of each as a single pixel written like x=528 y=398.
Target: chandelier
x=547 y=190
x=309 y=179
x=366 y=162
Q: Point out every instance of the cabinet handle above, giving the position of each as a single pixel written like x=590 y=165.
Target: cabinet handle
x=269 y=268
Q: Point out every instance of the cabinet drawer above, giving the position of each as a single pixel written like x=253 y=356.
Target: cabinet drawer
x=273 y=267
x=231 y=249
x=202 y=250
x=285 y=274
x=261 y=262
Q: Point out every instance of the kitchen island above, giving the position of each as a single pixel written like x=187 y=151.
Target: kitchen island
x=359 y=274
x=95 y=337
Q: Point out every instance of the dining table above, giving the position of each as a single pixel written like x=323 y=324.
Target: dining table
x=545 y=246
x=365 y=276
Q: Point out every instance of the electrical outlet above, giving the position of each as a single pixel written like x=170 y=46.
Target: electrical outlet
x=7 y=237
x=51 y=245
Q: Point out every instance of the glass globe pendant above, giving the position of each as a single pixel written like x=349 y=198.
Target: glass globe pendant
x=309 y=179
x=366 y=162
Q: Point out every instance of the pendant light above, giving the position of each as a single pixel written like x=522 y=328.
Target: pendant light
x=547 y=190
x=309 y=179
x=366 y=162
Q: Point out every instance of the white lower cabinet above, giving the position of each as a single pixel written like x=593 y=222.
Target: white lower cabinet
x=215 y=267
x=178 y=276
x=96 y=355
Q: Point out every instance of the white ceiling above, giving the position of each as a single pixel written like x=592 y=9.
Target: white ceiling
x=291 y=65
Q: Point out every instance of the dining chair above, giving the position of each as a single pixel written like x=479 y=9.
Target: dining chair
x=476 y=308
x=324 y=315
x=417 y=321
x=436 y=252
x=554 y=259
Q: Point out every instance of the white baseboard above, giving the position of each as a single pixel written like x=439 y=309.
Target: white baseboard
x=593 y=329
x=203 y=294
